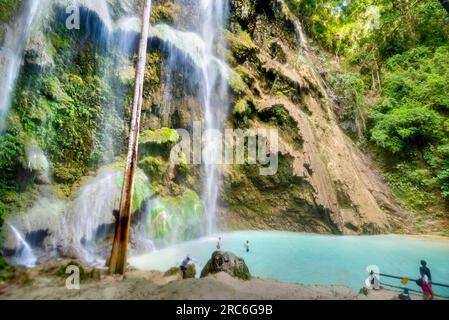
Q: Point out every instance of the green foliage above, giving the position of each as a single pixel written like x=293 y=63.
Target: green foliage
x=242 y=46
x=393 y=84
x=63 y=109
x=241 y=109
x=412 y=116
x=2 y=214
x=9 y=9
x=7 y=271
x=160 y=136
x=406 y=126
x=237 y=84
x=165 y=12
x=414 y=184
x=154 y=167
x=351 y=88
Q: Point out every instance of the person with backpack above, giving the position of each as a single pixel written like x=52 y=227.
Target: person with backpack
x=184 y=265
x=424 y=283
x=424 y=269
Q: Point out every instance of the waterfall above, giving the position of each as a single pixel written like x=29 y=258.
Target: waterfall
x=24 y=256
x=215 y=101
x=11 y=53
x=92 y=209
x=196 y=68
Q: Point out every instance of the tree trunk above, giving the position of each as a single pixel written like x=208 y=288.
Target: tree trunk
x=117 y=264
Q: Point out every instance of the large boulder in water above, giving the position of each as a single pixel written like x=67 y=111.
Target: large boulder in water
x=226 y=262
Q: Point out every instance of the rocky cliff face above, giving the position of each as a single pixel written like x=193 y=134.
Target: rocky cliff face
x=325 y=183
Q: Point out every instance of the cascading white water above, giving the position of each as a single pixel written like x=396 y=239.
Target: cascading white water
x=91 y=209
x=203 y=45
x=11 y=53
x=25 y=256
x=215 y=100
x=121 y=45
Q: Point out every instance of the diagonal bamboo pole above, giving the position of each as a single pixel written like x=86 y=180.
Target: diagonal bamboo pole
x=117 y=263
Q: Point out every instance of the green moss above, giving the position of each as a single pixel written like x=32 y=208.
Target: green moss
x=176 y=218
x=242 y=46
x=245 y=75
x=166 y=12
x=160 y=136
x=66 y=175
x=9 y=9
x=237 y=85
x=278 y=116
x=154 y=167
x=241 y=107
x=141 y=190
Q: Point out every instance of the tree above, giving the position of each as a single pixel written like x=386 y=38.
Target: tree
x=117 y=264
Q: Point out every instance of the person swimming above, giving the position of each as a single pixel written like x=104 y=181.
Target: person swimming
x=219 y=243
x=247 y=245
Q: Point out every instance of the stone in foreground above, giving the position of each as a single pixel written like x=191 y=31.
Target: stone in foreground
x=226 y=262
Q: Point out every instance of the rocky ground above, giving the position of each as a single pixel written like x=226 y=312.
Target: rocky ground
x=48 y=283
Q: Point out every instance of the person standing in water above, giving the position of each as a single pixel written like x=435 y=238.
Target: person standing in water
x=219 y=243
x=183 y=267
x=247 y=245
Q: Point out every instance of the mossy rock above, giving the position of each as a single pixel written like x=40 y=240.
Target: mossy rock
x=154 y=167
x=190 y=274
x=160 y=136
x=226 y=262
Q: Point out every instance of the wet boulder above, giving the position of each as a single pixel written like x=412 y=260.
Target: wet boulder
x=176 y=271
x=226 y=262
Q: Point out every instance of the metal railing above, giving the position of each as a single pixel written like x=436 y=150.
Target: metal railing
x=409 y=279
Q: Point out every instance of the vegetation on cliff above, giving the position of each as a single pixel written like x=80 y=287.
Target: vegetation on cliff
x=389 y=69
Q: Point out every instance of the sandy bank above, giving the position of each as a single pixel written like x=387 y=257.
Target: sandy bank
x=151 y=285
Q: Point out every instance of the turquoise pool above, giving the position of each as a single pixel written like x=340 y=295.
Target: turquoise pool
x=316 y=259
